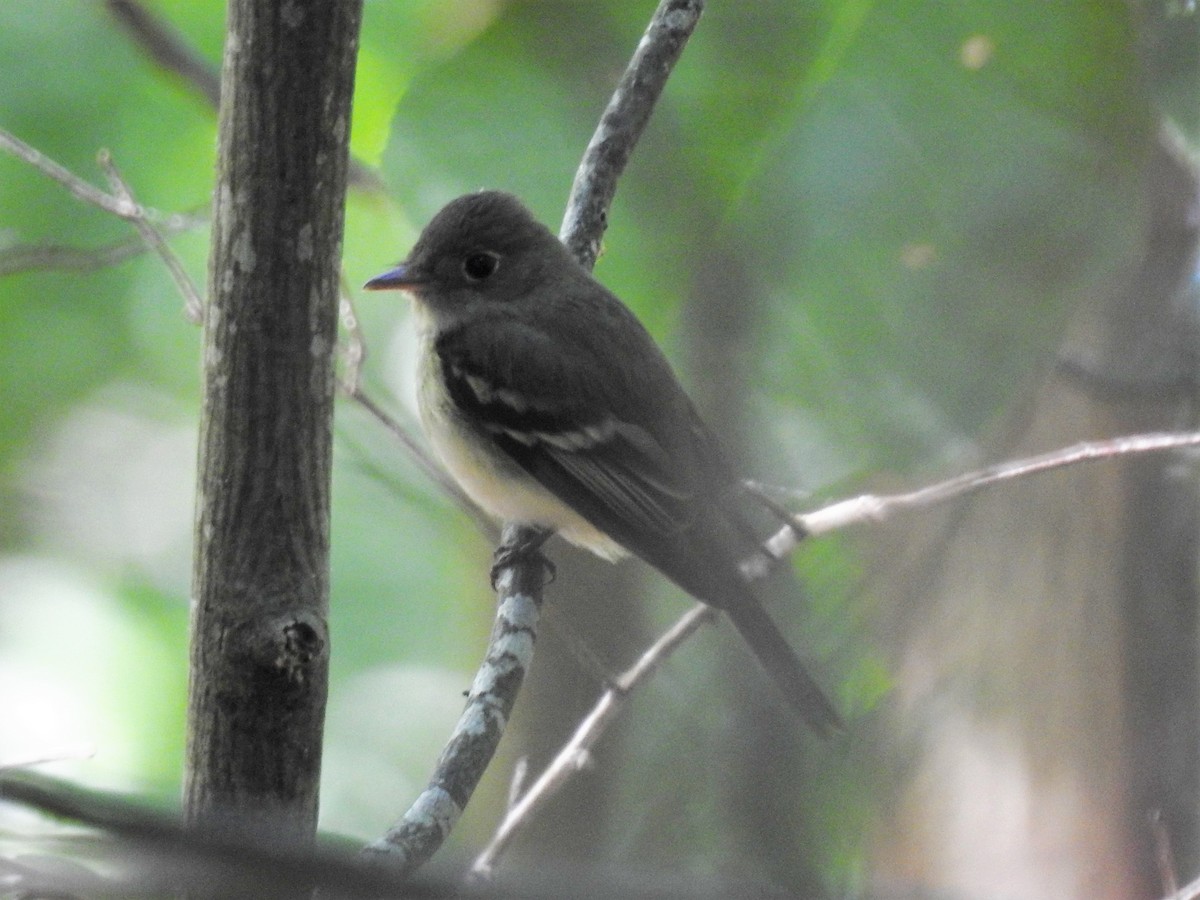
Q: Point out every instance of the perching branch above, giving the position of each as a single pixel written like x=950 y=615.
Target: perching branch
x=419 y=834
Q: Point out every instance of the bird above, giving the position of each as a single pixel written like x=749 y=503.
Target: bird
x=551 y=405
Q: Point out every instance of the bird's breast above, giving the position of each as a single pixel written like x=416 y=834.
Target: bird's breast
x=488 y=475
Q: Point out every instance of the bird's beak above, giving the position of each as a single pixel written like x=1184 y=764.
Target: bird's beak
x=401 y=278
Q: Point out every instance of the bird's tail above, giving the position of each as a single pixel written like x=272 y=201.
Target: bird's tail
x=781 y=663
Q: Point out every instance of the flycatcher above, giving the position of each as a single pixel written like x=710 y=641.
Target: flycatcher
x=549 y=402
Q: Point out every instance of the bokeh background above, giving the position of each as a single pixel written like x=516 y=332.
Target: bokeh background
x=883 y=243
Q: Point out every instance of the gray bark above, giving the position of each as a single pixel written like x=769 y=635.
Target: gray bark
x=260 y=647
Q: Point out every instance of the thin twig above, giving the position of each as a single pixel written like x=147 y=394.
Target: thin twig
x=576 y=753
x=193 y=303
x=57 y=257
x=82 y=190
x=878 y=508
x=76 y=186
x=120 y=203
x=167 y=48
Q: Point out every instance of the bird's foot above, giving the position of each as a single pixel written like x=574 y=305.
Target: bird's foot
x=522 y=544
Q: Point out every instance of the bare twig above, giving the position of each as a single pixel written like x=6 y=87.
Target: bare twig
x=120 y=203
x=50 y=257
x=193 y=304
x=878 y=508
x=167 y=48
x=576 y=753
x=76 y=186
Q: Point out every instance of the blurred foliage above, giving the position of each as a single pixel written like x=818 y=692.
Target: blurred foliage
x=916 y=194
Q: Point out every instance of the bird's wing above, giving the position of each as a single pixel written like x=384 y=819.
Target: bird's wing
x=560 y=416
x=654 y=485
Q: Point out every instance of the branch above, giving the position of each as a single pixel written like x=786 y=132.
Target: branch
x=880 y=508
x=576 y=753
x=193 y=304
x=418 y=835
x=868 y=508
x=80 y=189
x=621 y=126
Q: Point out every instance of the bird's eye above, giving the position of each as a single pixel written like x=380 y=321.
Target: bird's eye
x=479 y=266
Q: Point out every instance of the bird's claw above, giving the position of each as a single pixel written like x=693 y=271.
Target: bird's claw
x=525 y=547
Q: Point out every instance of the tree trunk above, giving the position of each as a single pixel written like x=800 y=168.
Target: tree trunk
x=260 y=648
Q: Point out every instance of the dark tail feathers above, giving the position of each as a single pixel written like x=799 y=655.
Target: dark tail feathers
x=781 y=663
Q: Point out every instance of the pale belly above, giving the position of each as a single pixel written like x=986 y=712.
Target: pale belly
x=500 y=487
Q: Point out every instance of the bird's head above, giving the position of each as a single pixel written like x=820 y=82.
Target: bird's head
x=481 y=247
